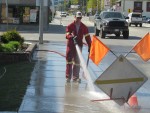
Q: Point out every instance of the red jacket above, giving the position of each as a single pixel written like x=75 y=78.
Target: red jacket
x=83 y=32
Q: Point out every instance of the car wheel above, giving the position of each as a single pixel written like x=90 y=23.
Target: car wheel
x=129 y=24
x=103 y=34
x=96 y=31
x=140 y=25
x=117 y=34
x=136 y=25
x=125 y=34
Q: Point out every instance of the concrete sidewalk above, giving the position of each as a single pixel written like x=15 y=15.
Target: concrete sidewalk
x=48 y=91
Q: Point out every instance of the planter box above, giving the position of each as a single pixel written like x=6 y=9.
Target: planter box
x=7 y=58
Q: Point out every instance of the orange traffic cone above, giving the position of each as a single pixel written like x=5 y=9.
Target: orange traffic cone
x=133 y=101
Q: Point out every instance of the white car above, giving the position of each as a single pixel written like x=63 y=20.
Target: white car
x=96 y=15
x=135 y=18
x=63 y=14
x=148 y=20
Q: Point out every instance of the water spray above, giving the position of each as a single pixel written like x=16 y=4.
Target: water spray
x=83 y=64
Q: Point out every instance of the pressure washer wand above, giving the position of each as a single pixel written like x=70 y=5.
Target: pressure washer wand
x=87 y=63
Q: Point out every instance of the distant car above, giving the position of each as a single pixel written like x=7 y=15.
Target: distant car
x=144 y=19
x=63 y=14
x=67 y=14
x=148 y=20
x=96 y=15
x=135 y=18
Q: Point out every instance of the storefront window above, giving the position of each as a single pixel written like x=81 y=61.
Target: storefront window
x=148 y=6
x=20 y=14
x=26 y=15
x=138 y=7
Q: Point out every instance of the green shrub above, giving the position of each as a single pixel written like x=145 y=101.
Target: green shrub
x=12 y=46
x=12 y=35
x=7 y=48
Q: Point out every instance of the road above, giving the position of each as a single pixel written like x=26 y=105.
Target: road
x=117 y=45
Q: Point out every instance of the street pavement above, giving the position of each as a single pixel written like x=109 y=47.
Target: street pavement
x=48 y=91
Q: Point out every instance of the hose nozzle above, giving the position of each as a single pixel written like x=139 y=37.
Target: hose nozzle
x=74 y=39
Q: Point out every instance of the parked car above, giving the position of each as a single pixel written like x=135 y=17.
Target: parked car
x=148 y=20
x=144 y=19
x=67 y=14
x=110 y=22
x=135 y=18
x=63 y=14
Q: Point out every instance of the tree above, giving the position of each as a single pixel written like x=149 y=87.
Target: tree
x=91 y=4
x=112 y=2
x=74 y=2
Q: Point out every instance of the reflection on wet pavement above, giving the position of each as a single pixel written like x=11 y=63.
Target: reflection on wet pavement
x=48 y=91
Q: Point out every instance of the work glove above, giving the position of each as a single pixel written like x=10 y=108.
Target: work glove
x=71 y=36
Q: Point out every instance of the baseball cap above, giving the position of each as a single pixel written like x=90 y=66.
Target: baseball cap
x=78 y=14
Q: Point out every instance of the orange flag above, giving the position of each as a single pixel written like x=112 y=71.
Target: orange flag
x=98 y=50
x=142 y=48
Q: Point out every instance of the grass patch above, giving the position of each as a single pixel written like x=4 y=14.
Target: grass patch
x=13 y=84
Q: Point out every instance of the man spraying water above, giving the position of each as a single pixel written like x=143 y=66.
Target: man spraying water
x=79 y=30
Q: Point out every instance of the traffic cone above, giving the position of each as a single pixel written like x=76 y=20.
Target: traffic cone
x=133 y=101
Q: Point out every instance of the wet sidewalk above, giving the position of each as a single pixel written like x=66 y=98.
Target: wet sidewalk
x=48 y=91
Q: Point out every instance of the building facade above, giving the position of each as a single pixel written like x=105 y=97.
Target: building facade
x=23 y=12
x=127 y=6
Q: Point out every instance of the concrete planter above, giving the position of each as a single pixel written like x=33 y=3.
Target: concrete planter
x=7 y=58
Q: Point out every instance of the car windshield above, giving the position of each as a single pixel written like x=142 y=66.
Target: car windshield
x=63 y=13
x=136 y=15
x=112 y=15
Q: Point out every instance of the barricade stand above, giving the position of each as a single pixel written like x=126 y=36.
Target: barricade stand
x=111 y=92
x=131 y=101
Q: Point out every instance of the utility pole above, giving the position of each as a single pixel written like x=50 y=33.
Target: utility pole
x=123 y=6
x=83 y=6
x=97 y=6
x=100 y=5
x=7 y=13
x=41 y=23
